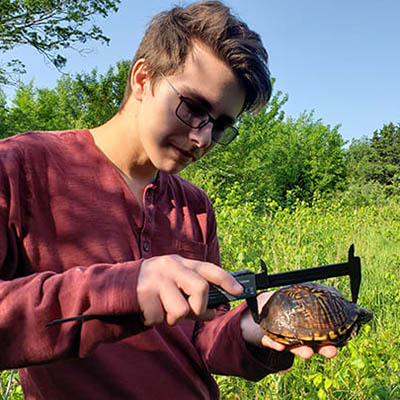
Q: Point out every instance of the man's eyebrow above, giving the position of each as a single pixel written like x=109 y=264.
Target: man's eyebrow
x=195 y=95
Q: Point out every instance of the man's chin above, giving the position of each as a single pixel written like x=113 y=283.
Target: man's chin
x=172 y=168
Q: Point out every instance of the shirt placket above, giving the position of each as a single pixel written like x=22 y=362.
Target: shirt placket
x=146 y=232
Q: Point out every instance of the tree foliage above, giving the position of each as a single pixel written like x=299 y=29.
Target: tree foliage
x=49 y=26
x=377 y=159
x=385 y=154
x=81 y=101
x=4 y=128
x=273 y=158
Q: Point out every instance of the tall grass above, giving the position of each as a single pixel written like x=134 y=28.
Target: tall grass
x=304 y=236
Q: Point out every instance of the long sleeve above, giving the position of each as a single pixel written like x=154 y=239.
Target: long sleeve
x=29 y=301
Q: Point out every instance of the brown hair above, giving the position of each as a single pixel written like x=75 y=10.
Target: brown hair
x=169 y=39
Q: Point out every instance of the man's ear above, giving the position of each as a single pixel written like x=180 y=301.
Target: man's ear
x=140 y=79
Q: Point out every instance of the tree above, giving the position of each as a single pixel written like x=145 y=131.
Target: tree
x=80 y=101
x=273 y=158
x=4 y=123
x=48 y=26
x=99 y=96
x=385 y=154
x=358 y=160
x=376 y=159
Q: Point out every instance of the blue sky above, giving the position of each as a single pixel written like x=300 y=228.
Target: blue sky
x=339 y=58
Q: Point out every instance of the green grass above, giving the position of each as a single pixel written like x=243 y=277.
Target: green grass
x=368 y=367
x=9 y=386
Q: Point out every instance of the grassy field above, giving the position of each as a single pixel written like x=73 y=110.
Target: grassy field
x=368 y=367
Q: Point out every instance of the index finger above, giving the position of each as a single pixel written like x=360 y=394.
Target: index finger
x=217 y=276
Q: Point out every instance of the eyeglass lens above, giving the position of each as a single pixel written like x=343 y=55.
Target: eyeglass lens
x=196 y=116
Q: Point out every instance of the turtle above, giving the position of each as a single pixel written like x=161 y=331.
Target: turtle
x=311 y=314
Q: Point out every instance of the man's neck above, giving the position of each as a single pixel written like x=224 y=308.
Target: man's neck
x=120 y=145
x=135 y=186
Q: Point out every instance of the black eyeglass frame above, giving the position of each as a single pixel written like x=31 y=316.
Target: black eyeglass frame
x=202 y=124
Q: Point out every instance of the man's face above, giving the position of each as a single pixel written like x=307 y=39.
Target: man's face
x=168 y=143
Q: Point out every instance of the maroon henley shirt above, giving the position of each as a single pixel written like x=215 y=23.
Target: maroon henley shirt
x=72 y=239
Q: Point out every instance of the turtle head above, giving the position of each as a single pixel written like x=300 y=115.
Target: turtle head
x=364 y=316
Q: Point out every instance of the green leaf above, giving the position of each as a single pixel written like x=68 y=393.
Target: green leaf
x=317 y=380
x=321 y=394
x=328 y=383
x=358 y=363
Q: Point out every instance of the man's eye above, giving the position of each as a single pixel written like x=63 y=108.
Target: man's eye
x=195 y=108
x=220 y=126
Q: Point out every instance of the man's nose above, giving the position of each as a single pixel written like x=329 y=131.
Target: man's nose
x=203 y=136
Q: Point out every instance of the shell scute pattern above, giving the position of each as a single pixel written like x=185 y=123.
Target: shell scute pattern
x=312 y=314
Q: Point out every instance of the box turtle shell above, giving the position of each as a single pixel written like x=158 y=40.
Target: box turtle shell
x=311 y=314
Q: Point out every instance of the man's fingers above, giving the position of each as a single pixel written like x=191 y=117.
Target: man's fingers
x=216 y=275
x=302 y=351
x=195 y=283
x=196 y=288
x=305 y=352
x=172 y=287
x=268 y=342
x=328 y=351
x=153 y=313
x=174 y=303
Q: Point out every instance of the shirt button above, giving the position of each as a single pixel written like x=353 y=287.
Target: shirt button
x=150 y=219
x=146 y=246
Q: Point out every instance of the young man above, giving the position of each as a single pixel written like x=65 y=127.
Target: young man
x=95 y=222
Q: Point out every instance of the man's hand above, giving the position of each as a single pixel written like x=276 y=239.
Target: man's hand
x=171 y=288
x=253 y=334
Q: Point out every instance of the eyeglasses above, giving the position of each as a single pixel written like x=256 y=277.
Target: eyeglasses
x=195 y=115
